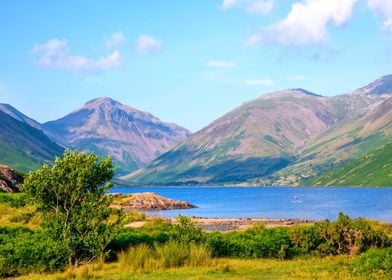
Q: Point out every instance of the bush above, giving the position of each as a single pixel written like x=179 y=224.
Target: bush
x=346 y=236
x=23 y=251
x=375 y=263
x=186 y=231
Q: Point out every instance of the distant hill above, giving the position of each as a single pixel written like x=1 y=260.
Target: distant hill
x=286 y=137
x=23 y=146
x=107 y=127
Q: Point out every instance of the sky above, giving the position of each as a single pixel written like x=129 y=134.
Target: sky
x=187 y=62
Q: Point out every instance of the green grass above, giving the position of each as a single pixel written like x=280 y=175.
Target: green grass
x=371 y=169
x=313 y=268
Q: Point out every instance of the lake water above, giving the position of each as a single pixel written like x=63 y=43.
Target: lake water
x=276 y=202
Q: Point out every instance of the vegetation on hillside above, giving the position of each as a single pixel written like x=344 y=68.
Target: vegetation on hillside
x=371 y=169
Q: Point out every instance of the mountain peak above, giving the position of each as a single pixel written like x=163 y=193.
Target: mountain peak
x=103 y=100
x=298 y=92
x=380 y=86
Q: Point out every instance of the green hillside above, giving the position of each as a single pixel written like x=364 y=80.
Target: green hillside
x=372 y=169
x=24 y=147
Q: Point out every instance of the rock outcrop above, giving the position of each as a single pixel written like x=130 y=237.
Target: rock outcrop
x=148 y=201
x=9 y=179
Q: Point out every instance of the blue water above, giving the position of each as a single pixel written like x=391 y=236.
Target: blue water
x=276 y=202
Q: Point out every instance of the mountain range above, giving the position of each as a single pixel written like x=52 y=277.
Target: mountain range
x=289 y=137
x=104 y=126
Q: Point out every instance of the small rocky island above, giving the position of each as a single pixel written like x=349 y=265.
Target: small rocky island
x=147 y=201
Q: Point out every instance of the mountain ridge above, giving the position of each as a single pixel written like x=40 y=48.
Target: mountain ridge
x=273 y=133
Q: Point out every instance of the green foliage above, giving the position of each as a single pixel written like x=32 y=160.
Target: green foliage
x=253 y=243
x=14 y=200
x=24 y=251
x=346 y=236
x=371 y=169
x=71 y=195
x=375 y=264
x=185 y=231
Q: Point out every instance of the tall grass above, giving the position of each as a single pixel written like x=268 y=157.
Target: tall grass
x=143 y=258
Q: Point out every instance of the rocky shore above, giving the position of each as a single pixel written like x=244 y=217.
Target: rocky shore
x=223 y=224
x=148 y=201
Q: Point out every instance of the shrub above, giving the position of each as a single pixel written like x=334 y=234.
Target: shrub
x=186 y=231
x=375 y=263
x=23 y=251
x=346 y=236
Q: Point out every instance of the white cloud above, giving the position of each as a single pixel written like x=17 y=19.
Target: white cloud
x=55 y=55
x=220 y=64
x=306 y=24
x=250 y=6
x=261 y=82
x=148 y=44
x=384 y=8
x=296 y=78
x=115 y=40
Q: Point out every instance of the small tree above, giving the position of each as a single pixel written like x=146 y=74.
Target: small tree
x=71 y=195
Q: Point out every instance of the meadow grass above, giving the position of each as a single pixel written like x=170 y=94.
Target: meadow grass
x=222 y=268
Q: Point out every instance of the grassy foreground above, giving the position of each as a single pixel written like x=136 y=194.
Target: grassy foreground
x=222 y=268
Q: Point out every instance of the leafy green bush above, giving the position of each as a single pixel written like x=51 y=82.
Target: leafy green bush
x=252 y=243
x=186 y=231
x=347 y=236
x=24 y=251
x=374 y=264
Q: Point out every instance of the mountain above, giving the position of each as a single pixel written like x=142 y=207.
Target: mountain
x=12 y=112
x=22 y=145
x=285 y=137
x=107 y=127
x=339 y=145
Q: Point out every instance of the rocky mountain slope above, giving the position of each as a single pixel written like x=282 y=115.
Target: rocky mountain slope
x=107 y=127
x=9 y=179
x=23 y=146
x=285 y=137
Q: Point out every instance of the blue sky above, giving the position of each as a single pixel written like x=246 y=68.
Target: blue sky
x=187 y=62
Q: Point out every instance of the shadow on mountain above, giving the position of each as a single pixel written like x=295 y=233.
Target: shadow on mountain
x=234 y=171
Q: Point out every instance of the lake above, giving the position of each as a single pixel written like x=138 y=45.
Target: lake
x=276 y=202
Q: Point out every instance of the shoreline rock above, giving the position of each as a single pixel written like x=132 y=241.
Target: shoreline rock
x=148 y=201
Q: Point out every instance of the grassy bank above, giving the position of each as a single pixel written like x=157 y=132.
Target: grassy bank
x=223 y=268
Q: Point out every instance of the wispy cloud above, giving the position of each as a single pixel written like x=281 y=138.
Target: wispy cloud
x=250 y=6
x=383 y=8
x=306 y=24
x=261 y=82
x=148 y=44
x=296 y=78
x=220 y=64
x=55 y=54
x=115 y=40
